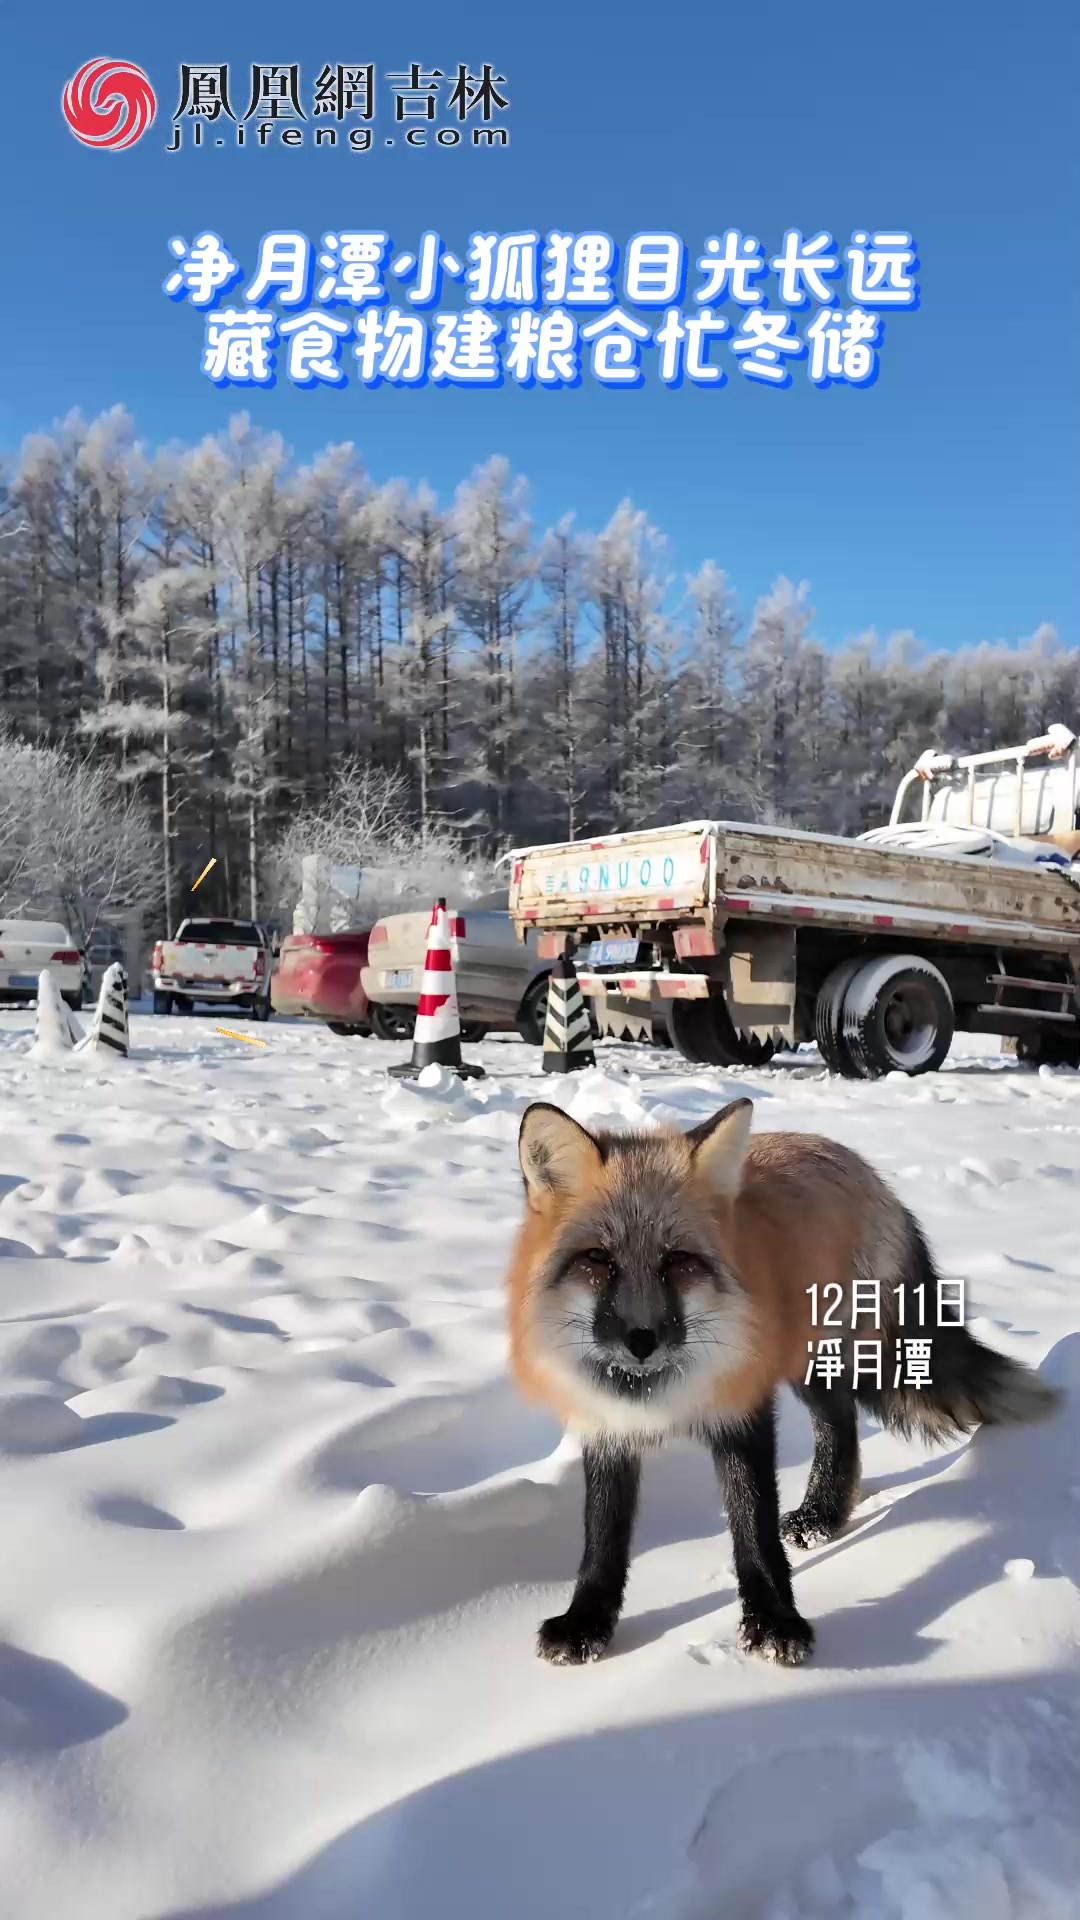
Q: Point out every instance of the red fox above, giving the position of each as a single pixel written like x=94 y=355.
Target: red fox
x=661 y=1284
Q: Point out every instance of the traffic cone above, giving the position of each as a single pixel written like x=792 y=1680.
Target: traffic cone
x=109 y=1027
x=55 y=1026
x=567 y=1028
x=437 y=1034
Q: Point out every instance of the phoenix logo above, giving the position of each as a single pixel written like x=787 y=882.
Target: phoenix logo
x=109 y=103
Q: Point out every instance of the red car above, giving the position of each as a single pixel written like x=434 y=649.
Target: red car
x=319 y=974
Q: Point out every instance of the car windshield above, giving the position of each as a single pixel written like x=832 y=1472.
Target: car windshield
x=220 y=933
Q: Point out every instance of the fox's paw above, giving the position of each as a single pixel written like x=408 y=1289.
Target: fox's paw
x=570 y=1639
x=807 y=1527
x=783 y=1636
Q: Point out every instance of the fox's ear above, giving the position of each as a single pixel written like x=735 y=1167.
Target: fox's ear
x=557 y=1156
x=720 y=1147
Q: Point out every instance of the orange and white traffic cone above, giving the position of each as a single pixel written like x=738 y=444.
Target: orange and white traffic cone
x=437 y=1034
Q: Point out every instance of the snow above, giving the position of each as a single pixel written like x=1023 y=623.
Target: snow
x=56 y=1028
x=278 y=1533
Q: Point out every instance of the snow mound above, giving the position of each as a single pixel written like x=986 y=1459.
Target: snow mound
x=56 y=1029
x=981 y=1823
x=436 y=1092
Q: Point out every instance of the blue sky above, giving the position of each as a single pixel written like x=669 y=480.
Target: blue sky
x=941 y=499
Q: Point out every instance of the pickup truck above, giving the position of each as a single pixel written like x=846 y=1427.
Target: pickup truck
x=879 y=948
x=221 y=962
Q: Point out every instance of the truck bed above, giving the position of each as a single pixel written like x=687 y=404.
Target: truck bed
x=715 y=870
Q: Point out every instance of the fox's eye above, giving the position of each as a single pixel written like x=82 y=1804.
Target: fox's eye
x=592 y=1266
x=680 y=1268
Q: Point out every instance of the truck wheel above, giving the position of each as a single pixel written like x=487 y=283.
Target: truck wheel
x=392 y=1023
x=163 y=1003
x=532 y=1014
x=829 y=1017
x=261 y=1007
x=897 y=1016
x=704 y=1032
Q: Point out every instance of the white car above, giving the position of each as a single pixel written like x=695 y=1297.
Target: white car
x=27 y=947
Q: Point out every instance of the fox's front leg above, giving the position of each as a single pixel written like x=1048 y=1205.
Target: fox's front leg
x=612 y=1477
x=745 y=1457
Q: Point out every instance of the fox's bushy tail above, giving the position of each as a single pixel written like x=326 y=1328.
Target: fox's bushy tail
x=967 y=1385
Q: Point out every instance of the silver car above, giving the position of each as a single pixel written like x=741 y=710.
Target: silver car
x=501 y=984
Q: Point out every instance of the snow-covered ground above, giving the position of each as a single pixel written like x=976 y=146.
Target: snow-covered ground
x=275 y=1533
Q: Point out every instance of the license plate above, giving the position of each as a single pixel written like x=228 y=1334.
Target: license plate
x=398 y=977
x=612 y=953
x=23 y=980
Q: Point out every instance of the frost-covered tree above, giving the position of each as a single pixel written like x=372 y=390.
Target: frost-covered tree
x=152 y=679
x=491 y=585
x=74 y=839
x=364 y=822
x=558 y=707
x=420 y=546
x=771 y=672
x=628 y=591
x=224 y=628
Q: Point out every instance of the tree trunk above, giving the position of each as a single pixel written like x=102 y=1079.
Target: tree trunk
x=253 y=857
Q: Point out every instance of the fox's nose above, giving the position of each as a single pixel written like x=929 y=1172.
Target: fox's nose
x=641 y=1341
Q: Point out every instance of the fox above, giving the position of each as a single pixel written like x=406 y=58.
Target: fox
x=666 y=1284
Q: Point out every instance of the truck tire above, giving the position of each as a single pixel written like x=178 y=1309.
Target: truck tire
x=829 y=1020
x=163 y=1003
x=532 y=1013
x=261 y=1007
x=392 y=1022
x=704 y=1033
x=897 y=1016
